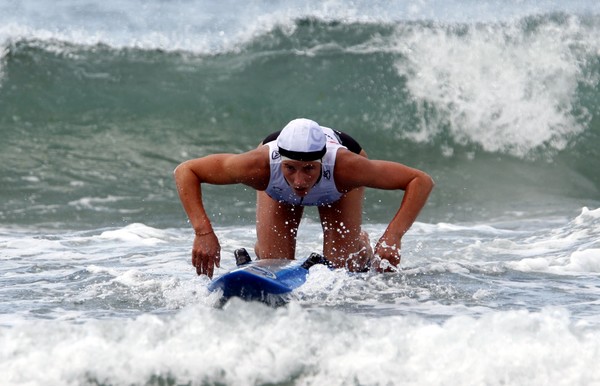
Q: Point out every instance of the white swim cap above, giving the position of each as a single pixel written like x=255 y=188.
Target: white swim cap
x=302 y=140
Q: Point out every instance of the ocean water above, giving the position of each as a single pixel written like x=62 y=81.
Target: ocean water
x=497 y=100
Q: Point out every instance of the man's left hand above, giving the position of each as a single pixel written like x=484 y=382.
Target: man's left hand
x=388 y=252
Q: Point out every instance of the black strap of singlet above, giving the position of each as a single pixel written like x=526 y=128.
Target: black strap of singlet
x=349 y=142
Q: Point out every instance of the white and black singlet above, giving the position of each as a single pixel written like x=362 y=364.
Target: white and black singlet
x=324 y=191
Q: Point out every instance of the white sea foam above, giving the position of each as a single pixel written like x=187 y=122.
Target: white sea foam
x=138 y=233
x=584 y=261
x=108 y=306
x=506 y=87
x=251 y=344
x=207 y=27
x=571 y=249
x=197 y=26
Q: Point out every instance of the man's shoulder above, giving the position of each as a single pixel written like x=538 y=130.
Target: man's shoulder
x=251 y=159
x=349 y=166
x=253 y=165
x=348 y=159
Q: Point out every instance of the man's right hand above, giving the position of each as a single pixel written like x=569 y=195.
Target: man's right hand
x=206 y=254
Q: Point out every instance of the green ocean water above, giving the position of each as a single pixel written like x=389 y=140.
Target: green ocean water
x=91 y=134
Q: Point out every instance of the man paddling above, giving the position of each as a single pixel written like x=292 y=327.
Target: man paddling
x=305 y=164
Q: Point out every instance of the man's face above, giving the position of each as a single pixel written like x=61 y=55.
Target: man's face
x=301 y=175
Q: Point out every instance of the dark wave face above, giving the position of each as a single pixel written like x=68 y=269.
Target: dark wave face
x=502 y=113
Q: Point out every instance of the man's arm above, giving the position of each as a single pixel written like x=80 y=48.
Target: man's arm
x=218 y=169
x=357 y=171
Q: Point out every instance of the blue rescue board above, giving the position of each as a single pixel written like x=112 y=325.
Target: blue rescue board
x=268 y=281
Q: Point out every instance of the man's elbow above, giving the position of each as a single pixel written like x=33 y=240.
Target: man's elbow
x=177 y=170
x=430 y=181
x=427 y=182
x=180 y=170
